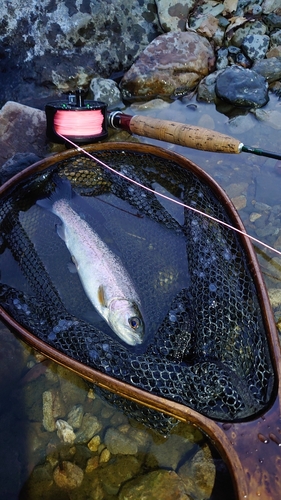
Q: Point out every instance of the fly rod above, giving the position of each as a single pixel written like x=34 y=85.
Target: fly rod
x=85 y=122
x=182 y=134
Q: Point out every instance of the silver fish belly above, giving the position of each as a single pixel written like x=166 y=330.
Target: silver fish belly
x=103 y=277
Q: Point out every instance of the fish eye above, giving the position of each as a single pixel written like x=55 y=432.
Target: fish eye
x=134 y=322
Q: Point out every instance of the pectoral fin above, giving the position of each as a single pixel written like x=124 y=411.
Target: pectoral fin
x=73 y=266
x=60 y=231
x=101 y=296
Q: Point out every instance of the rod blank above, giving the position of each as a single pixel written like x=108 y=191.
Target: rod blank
x=183 y=134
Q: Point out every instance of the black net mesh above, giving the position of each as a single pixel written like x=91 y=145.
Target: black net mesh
x=205 y=344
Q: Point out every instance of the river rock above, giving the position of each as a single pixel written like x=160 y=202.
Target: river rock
x=204 y=10
x=118 y=443
x=68 y=476
x=169 y=453
x=242 y=87
x=75 y=416
x=173 y=60
x=207 y=87
x=65 y=431
x=255 y=46
x=73 y=388
x=270 y=68
x=119 y=472
x=16 y=164
x=89 y=427
x=173 y=15
x=106 y=90
x=62 y=45
x=247 y=29
x=162 y=484
x=23 y=130
x=271 y=6
x=199 y=474
x=53 y=407
x=274 y=297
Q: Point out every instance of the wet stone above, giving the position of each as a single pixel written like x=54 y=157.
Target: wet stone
x=53 y=407
x=239 y=202
x=40 y=483
x=104 y=456
x=199 y=474
x=65 y=431
x=169 y=454
x=155 y=485
x=270 y=69
x=274 y=297
x=72 y=387
x=118 y=443
x=92 y=464
x=89 y=427
x=106 y=90
x=206 y=88
x=271 y=117
x=94 y=443
x=68 y=476
x=173 y=60
x=242 y=87
x=119 y=472
x=75 y=416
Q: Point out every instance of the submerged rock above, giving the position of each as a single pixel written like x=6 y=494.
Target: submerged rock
x=65 y=431
x=119 y=472
x=162 y=484
x=68 y=476
x=199 y=474
x=118 y=443
x=53 y=407
x=89 y=427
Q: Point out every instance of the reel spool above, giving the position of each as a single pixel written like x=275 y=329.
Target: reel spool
x=81 y=121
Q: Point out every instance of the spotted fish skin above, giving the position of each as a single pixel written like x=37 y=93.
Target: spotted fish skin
x=103 y=276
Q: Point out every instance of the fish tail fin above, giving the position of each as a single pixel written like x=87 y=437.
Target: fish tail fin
x=63 y=190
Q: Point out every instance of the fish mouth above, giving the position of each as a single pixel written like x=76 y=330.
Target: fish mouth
x=129 y=337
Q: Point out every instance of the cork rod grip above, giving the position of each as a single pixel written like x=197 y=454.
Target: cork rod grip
x=185 y=135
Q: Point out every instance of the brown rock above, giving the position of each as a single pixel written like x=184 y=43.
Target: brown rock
x=157 y=484
x=22 y=130
x=68 y=476
x=115 y=474
x=173 y=60
x=199 y=474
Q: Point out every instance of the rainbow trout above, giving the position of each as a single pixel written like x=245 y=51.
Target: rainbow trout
x=102 y=274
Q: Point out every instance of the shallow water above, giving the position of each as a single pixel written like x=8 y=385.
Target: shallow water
x=24 y=442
